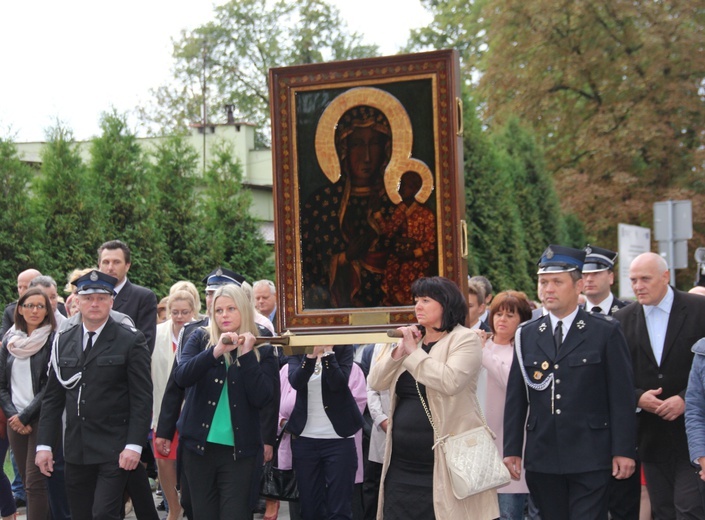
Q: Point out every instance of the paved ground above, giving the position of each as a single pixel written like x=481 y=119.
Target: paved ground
x=283 y=512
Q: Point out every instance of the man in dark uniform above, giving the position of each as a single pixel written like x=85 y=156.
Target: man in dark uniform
x=140 y=304
x=598 y=274
x=572 y=374
x=101 y=379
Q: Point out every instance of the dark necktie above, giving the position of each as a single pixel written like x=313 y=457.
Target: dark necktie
x=596 y=310
x=89 y=345
x=558 y=336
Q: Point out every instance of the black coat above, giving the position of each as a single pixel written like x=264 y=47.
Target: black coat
x=111 y=406
x=140 y=304
x=686 y=324
x=591 y=416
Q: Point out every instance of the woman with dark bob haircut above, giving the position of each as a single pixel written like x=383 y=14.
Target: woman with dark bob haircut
x=437 y=360
x=24 y=359
x=508 y=310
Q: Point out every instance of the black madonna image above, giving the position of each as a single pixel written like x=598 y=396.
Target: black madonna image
x=368 y=230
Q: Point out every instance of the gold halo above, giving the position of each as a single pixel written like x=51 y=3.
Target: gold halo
x=402 y=139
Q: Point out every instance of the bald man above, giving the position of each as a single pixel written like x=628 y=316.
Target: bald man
x=23 y=279
x=698 y=289
x=661 y=327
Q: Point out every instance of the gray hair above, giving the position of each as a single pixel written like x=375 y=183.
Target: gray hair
x=268 y=283
x=44 y=281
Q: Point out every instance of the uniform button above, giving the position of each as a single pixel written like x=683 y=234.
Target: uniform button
x=558 y=412
x=203 y=425
x=558 y=381
x=536 y=362
x=83 y=418
x=584 y=360
x=660 y=376
x=555 y=366
x=83 y=401
x=216 y=379
x=558 y=396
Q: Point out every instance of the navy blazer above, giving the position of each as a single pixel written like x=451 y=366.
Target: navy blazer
x=589 y=417
x=140 y=304
x=338 y=401
x=250 y=388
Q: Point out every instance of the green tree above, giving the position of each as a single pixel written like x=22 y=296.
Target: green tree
x=67 y=206
x=541 y=217
x=614 y=93
x=175 y=170
x=496 y=238
x=234 y=53
x=20 y=242
x=234 y=240
x=128 y=199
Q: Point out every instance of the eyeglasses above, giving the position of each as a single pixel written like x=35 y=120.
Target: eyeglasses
x=32 y=306
x=176 y=313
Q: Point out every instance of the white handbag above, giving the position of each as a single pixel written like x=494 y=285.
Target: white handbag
x=472 y=458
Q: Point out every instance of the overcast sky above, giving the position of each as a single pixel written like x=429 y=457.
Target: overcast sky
x=75 y=59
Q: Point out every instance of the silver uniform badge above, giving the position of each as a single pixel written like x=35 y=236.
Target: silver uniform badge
x=542 y=327
x=581 y=324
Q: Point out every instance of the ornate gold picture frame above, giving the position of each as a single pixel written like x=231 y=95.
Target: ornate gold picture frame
x=368 y=194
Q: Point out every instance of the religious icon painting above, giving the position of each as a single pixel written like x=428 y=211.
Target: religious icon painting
x=368 y=187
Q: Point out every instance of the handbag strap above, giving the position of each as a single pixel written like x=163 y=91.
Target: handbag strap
x=441 y=440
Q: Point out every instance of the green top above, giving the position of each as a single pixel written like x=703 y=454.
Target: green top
x=221 y=430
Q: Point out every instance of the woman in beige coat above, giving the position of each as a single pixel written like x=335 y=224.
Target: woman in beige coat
x=441 y=359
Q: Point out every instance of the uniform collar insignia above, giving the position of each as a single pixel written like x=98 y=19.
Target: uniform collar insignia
x=580 y=324
x=614 y=308
x=542 y=327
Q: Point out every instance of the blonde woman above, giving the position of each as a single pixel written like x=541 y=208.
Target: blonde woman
x=227 y=383
x=180 y=310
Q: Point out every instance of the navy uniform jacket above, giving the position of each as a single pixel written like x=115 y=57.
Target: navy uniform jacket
x=112 y=404
x=593 y=417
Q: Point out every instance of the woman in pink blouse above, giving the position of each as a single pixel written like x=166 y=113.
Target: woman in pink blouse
x=508 y=310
